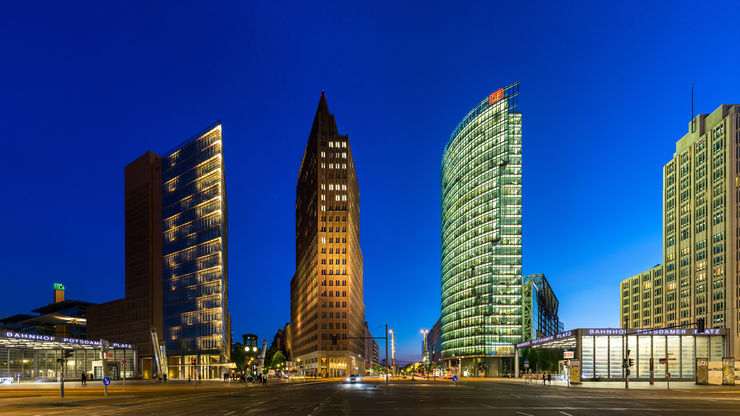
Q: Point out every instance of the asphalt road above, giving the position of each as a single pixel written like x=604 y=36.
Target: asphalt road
x=400 y=398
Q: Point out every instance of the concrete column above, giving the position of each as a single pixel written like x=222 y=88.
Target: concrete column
x=516 y=363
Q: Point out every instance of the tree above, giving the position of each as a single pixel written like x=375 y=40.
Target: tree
x=379 y=369
x=238 y=355
x=278 y=359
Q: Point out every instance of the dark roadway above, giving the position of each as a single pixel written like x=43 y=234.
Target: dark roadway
x=400 y=398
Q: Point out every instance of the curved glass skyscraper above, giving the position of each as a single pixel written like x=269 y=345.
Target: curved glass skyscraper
x=482 y=237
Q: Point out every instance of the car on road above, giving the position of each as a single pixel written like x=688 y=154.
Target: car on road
x=354 y=378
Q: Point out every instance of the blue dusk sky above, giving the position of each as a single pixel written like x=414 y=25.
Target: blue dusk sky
x=86 y=87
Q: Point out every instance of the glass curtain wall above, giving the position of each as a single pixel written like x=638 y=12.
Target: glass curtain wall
x=195 y=247
x=482 y=231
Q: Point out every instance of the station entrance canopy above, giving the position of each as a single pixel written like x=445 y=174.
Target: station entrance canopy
x=32 y=357
x=11 y=339
x=600 y=352
x=568 y=339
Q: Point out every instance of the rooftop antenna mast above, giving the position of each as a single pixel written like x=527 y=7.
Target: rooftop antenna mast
x=693 y=125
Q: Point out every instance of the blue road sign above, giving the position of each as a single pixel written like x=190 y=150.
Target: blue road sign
x=526 y=361
x=106 y=381
x=454 y=378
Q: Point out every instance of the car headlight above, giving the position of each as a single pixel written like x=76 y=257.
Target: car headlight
x=359 y=379
x=347 y=378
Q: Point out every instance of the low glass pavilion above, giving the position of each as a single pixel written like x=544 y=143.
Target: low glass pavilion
x=600 y=351
x=32 y=357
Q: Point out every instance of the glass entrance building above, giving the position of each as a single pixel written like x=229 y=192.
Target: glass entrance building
x=482 y=237
x=28 y=357
x=601 y=351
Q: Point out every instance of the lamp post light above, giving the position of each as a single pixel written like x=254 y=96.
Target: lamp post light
x=424 y=349
x=393 y=351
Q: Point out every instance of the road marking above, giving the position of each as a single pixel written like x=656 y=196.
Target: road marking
x=566 y=414
x=392 y=401
x=230 y=413
x=525 y=414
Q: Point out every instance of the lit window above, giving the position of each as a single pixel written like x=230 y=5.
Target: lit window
x=323 y=154
x=331 y=187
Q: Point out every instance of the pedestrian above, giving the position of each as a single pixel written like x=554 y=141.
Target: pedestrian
x=544 y=379
x=264 y=380
x=164 y=377
x=549 y=378
x=83 y=378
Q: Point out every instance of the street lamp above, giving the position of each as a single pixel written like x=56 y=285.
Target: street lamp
x=424 y=350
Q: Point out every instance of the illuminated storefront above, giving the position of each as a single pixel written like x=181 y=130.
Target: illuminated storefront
x=32 y=357
x=482 y=237
x=600 y=352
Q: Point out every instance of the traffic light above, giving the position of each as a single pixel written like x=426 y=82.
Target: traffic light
x=625 y=363
x=700 y=325
x=192 y=361
x=632 y=362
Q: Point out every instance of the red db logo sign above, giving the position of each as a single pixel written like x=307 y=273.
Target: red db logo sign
x=496 y=96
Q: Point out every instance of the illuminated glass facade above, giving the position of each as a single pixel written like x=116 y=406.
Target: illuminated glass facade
x=540 y=308
x=196 y=319
x=482 y=234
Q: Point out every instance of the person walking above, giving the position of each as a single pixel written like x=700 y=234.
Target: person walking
x=549 y=378
x=83 y=379
x=264 y=380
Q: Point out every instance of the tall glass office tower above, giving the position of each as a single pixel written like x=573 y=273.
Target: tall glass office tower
x=196 y=318
x=482 y=237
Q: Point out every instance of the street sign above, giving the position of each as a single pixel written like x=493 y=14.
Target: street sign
x=526 y=363
x=106 y=381
x=663 y=360
x=569 y=355
x=123 y=361
x=454 y=379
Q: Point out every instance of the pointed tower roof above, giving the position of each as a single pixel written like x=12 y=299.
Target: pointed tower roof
x=324 y=122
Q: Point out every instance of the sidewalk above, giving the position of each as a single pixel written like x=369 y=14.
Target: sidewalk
x=634 y=384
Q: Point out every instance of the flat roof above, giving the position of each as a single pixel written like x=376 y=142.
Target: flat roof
x=12 y=339
x=567 y=339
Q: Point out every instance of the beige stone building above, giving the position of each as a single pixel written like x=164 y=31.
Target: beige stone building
x=700 y=274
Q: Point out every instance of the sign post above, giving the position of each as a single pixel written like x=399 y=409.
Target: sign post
x=106 y=382
x=123 y=364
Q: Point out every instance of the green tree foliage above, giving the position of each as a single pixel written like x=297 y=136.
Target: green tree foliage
x=379 y=369
x=541 y=359
x=238 y=355
x=277 y=359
